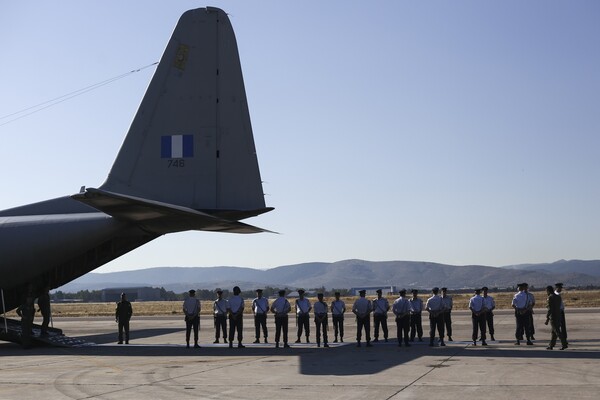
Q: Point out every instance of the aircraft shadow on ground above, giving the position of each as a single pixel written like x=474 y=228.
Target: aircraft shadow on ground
x=337 y=361
x=112 y=337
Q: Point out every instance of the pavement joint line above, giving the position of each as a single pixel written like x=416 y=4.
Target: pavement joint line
x=427 y=373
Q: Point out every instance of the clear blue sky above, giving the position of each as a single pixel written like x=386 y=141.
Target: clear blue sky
x=461 y=132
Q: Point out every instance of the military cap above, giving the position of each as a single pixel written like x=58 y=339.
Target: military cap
x=484 y=288
x=477 y=291
x=191 y=291
x=559 y=285
x=282 y=292
x=337 y=293
x=525 y=284
x=319 y=294
x=402 y=292
x=414 y=291
x=435 y=289
x=363 y=291
x=259 y=290
x=378 y=291
x=444 y=289
x=301 y=291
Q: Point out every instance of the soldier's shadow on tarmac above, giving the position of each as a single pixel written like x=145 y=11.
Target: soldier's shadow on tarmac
x=337 y=361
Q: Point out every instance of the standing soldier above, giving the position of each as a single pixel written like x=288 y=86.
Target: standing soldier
x=123 y=314
x=416 y=325
x=476 y=305
x=260 y=307
x=220 y=307
x=380 y=309
x=27 y=313
x=489 y=304
x=281 y=307
x=44 y=305
x=362 y=308
x=401 y=309
x=520 y=303
x=447 y=300
x=531 y=304
x=435 y=307
x=338 y=308
x=563 y=323
x=553 y=315
x=236 y=317
x=321 y=320
x=191 y=309
x=303 y=308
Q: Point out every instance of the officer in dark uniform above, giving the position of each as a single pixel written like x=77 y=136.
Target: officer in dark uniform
x=123 y=314
x=554 y=316
x=563 y=323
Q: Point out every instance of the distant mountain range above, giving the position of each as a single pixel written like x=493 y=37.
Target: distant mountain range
x=346 y=274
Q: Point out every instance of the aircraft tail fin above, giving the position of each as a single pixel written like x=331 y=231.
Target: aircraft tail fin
x=191 y=143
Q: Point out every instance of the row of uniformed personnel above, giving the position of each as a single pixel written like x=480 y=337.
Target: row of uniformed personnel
x=406 y=310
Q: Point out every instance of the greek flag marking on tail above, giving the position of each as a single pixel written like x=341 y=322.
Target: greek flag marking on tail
x=177 y=146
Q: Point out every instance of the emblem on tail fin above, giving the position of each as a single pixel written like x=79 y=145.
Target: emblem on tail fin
x=177 y=146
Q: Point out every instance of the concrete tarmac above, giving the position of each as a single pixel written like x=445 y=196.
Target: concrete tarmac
x=157 y=365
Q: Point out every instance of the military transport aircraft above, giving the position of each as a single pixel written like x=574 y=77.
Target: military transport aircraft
x=188 y=162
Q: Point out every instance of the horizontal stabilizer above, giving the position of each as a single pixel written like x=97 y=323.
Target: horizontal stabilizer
x=158 y=217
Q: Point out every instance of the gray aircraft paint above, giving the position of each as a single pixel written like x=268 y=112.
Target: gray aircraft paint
x=188 y=162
